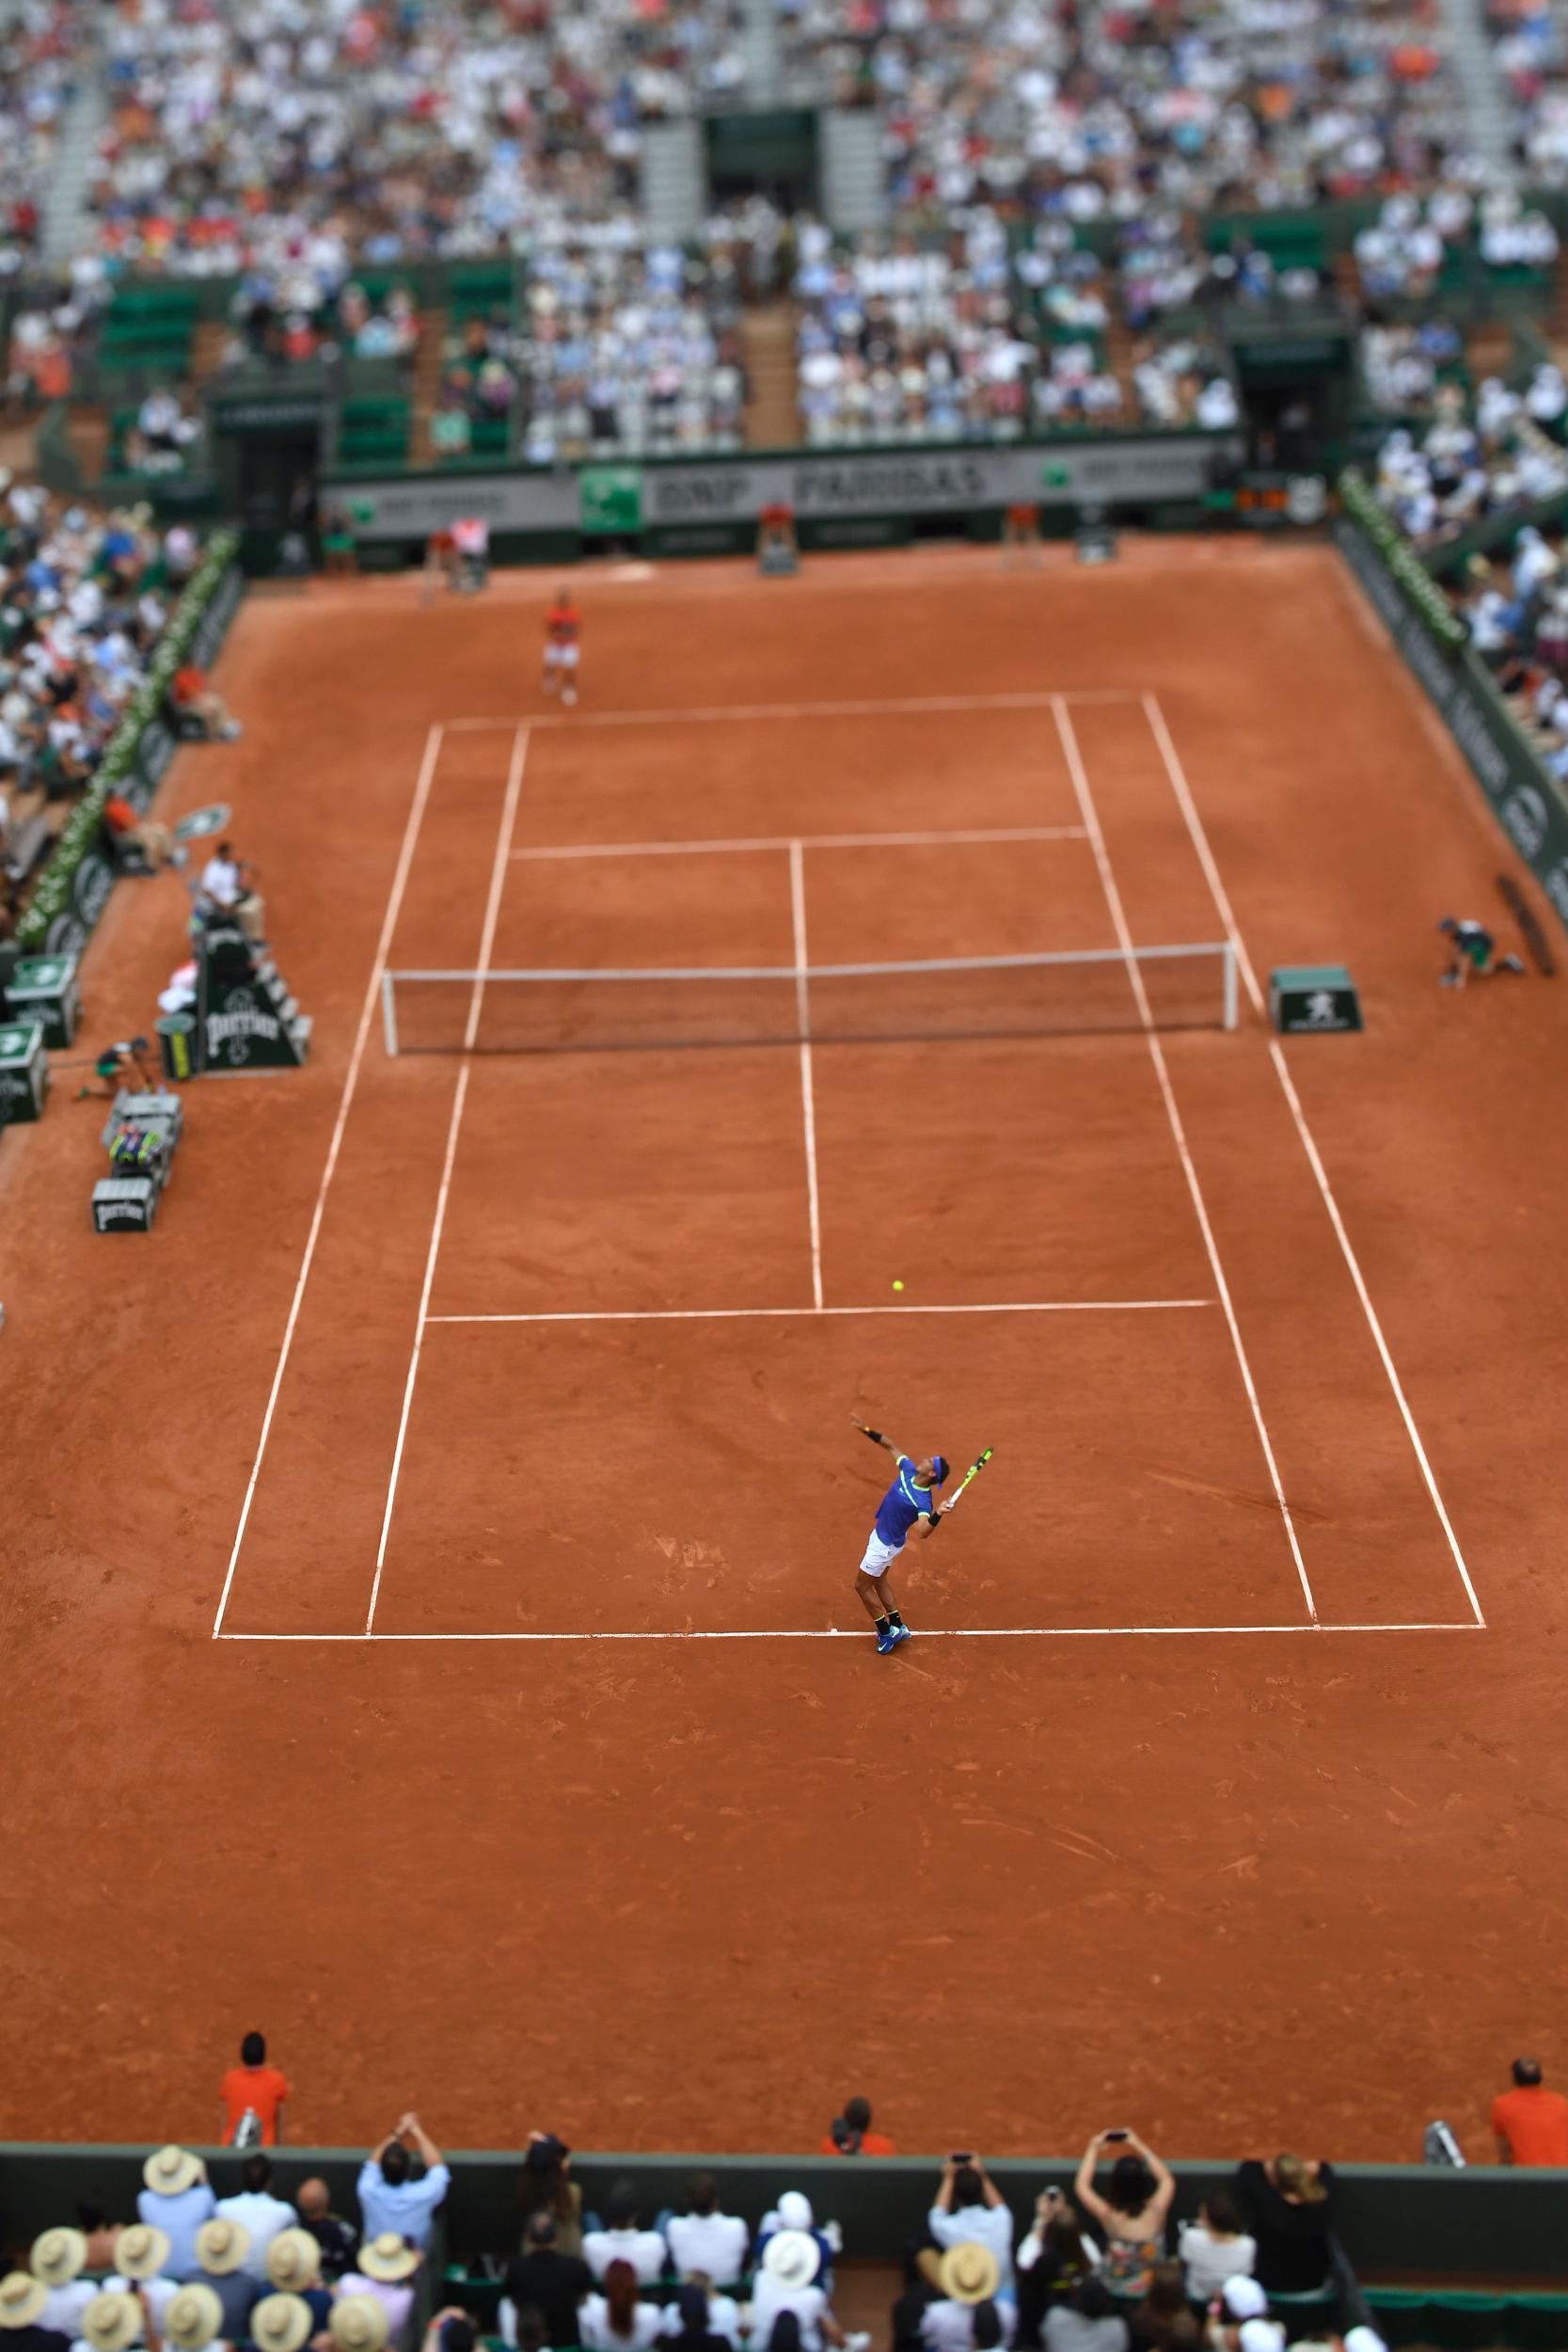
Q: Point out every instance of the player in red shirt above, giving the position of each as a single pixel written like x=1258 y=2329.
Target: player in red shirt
x=563 y=627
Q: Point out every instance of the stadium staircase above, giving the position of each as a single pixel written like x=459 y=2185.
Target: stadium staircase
x=66 y=223
x=1467 y=46
x=773 y=420
x=854 y=178
x=673 y=179
x=759 y=50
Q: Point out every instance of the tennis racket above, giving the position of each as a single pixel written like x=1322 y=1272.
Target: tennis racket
x=972 y=1472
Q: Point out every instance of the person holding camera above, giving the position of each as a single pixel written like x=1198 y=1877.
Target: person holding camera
x=969 y=2211
x=850 y=2133
x=1135 y=2209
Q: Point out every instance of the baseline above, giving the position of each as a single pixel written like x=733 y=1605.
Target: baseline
x=846 y=1633
x=737 y=1314
x=1197 y=835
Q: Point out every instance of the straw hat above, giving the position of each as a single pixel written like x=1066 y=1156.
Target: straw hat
x=969 y=2273
x=222 y=2246
x=293 y=2261
x=140 y=2251
x=388 y=2258
x=22 y=2299
x=58 y=2256
x=112 y=2321
x=358 y=2323
x=171 y=2171
x=280 y=2322
x=194 y=2317
x=792 y=2257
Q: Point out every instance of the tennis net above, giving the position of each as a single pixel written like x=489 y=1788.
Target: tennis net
x=979 y=996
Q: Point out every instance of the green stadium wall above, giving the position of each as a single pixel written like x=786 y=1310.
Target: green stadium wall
x=1527 y=803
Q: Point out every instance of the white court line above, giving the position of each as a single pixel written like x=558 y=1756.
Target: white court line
x=459 y=1101
x=808 y=1089
x=808 y=841
x=726 y=714
x=1200 y=840
x=351 y=1081
x=746 y=1314
x=1156 y=1054
x=843 y=1633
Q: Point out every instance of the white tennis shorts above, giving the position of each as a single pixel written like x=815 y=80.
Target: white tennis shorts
x=879 y=1557
x=561 y=657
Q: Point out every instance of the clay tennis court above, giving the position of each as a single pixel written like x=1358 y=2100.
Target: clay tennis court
x=1234 y=1695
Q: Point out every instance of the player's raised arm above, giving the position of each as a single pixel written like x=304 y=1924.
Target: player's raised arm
x=876 y=1438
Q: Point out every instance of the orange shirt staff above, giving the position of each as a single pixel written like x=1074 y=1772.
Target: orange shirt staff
x=562 y=628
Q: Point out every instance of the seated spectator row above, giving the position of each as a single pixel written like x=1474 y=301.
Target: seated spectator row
x=1502 y=451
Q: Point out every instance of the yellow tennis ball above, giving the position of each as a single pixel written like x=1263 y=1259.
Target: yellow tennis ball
x=898 y=1286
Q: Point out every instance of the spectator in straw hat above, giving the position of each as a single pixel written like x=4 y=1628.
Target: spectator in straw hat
x=23 y=2299
x=385 y=2273
x=967 y=2311
x=294 y=2267
x=192 y=2320
x=358 y=2323
x=221 y=2248
x=57 y=2261
x=282 y=2322
x=116 y=2320
x=176 y=2201
x=143 y=2266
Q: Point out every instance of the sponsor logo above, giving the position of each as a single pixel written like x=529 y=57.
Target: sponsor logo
x=240 y=1023
x=67 y=934
x=121 y=1213
x=1555 y=885
x=89 y=887
x=157 y=750
x=1526 y=819
x=1472 y=732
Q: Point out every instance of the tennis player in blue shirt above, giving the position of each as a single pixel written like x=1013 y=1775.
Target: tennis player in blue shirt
x=911 y=1502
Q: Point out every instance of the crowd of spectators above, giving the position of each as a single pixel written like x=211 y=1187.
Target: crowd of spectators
x=257 y=134
x=302 y=313
x=1095 y=112
x=625 y=349
x=83 y=599
x=1491 y=455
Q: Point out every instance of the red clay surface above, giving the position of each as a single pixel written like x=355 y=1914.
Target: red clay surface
x=1241 y=1887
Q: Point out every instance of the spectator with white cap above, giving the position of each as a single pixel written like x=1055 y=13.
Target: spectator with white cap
x=787 y=2281
x=22 y=2299
x=57 y=2261
x=794 y=2211
x=257 y=2211
x=222 y=2247
x=144 y=2268
x=176 y=2199
x=1239 y=2300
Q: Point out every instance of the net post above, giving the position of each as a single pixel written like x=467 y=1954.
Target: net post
x=389 y=1016
x=1230 y=984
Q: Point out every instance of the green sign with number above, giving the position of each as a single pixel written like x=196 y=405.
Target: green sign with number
x=612 y=498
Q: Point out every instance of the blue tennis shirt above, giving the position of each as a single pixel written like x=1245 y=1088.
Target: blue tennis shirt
x=903 y=1504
